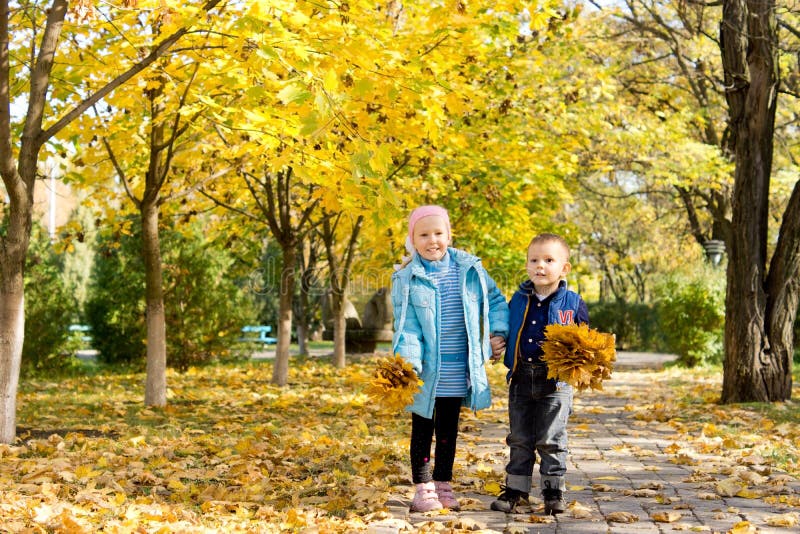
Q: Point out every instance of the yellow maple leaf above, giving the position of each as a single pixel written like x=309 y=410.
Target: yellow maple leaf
x=747 y=493
x=331 y=81
x=791 y=519
x=492 y=488
x=622 y=517
x=743 y=527
x=85 y=471
x=666 y=516
x=578 y=510
x=729 y=487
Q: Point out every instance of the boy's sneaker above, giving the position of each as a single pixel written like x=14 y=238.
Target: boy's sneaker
x=553 y=501
x=425 y=498
x=446 y=496
x=508 y=500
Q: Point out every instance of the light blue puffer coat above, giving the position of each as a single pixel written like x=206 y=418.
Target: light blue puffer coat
x=417 y=309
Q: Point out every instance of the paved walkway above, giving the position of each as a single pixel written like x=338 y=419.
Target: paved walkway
x=619 y=467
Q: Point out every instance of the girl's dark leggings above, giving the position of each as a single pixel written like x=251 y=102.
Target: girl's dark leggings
x=444 y=425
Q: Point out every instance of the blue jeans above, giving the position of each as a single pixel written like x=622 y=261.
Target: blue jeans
x=538 y=410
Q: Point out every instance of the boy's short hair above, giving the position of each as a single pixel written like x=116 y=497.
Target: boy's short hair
x=546 y=237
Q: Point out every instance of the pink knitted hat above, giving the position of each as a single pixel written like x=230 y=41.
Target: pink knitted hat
x=425 y=211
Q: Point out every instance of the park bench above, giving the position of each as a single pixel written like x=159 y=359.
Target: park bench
x=257 y=334
x=81 y=330
x=363 y=338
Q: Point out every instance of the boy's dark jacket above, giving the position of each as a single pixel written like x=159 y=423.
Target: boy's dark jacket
x=564 y=308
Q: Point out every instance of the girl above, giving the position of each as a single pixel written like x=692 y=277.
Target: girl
x=445 y=306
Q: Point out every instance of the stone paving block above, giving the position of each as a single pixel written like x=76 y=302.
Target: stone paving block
x=634 y=528
x=581 y=527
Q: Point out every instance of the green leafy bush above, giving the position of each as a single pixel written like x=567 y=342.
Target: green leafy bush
x=115 y=300
x=49 y=309
x=691 y=310
x=204 y=307
x=634 y=324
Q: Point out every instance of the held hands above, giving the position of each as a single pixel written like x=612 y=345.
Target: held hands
x=498 y=347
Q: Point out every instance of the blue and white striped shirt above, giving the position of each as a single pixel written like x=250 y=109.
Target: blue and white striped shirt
x=453 y=331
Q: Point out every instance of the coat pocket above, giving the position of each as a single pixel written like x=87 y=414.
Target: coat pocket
x=423 y=299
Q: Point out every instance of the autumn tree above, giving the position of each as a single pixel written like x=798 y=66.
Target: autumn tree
x=282 y=205
x=763 y=288
x=340 y=265
x=508 y=164
x=630 y=235
x=669 y=75
x=341 y=104
x=32 y=37
x=145 y=137
x=670 y=83
x=154 y=169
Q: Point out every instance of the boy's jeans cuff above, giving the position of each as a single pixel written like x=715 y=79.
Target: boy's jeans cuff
x=519 y=482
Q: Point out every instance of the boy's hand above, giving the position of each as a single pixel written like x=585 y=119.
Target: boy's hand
x=498 y=347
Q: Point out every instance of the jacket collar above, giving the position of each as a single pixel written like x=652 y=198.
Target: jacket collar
x=464 y=260
x=527 y=289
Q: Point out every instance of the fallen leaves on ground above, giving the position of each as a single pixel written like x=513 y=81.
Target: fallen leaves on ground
x=733 y=450
x=791 y=519
x=622 y=517
x=578 y=510
x=666 y=516
x=729 y=451
x=233 y=453
x=230 y=453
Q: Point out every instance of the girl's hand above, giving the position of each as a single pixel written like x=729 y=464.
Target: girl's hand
x=498 y=347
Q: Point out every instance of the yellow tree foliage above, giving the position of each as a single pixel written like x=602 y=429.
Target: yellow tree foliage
x=39 y=75
x=379 y=109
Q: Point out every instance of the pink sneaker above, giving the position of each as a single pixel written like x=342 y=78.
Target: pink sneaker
x=425 y=499
x=446 y=496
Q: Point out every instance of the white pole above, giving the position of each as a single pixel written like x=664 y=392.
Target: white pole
x=52 y=203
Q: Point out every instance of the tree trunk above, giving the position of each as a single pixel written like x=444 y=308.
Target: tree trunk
x=339 y=329
x=301 y=331
x=757 y=365
x=303 y=315
x=12 y=313
x=155 y=392
x=280 y=371
x=339 y=279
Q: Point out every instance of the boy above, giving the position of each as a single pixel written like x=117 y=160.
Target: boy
x=538 y=408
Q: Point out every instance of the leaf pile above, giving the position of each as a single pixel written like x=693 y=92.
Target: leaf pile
x=394 y=383
x=230 y=453
x=578 y=355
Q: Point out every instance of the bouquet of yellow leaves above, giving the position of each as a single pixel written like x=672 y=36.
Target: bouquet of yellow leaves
x=394 y=383
x=578 y=355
